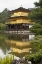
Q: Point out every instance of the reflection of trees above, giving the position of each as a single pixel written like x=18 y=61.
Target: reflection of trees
x=3 y=44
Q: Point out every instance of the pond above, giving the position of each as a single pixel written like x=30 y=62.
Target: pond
x=16 y=44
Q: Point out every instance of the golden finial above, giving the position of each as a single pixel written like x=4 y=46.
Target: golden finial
x=21 y=5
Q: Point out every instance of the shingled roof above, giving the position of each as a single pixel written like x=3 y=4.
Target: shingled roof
x=20 y=9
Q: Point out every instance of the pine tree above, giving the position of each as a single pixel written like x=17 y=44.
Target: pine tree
x=4 y=15
x=36 y=16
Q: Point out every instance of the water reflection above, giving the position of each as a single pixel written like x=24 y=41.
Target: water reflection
x=18 y=44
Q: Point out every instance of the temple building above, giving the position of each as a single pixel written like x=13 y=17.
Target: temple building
x=19 y=20
x=19 y=25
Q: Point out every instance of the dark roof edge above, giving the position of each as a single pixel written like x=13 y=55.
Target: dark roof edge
x=22 y=9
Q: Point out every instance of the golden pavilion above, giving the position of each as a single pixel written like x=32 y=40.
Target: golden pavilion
x=19 y=44
x=19 y=23
x=19 y=20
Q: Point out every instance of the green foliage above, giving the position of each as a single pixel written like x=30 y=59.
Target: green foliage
x=4 y=15
x=34 y=58
x=36 y=14
x=38 y=4
x=36 y=43
x=2 y=26
x=37 y=29
x=6 y=60
x=36 y=17
x=3 y=18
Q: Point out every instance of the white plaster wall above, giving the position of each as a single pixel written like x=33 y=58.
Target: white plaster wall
x=30 y=26
x=31 y=37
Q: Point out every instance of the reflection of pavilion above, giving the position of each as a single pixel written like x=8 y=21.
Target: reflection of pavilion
x=19 y=20
x=18 y=47
x=20 y=37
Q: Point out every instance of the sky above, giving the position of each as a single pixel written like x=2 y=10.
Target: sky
x=13 y=4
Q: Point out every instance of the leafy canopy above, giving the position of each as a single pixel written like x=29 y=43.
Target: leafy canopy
x=36 y=14
x=36 y=17
x=4 y=15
